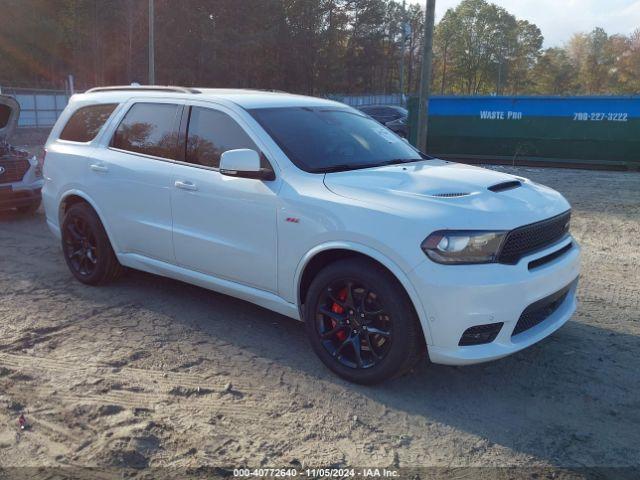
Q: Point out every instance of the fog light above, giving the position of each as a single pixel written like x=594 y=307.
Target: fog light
x=480 y=334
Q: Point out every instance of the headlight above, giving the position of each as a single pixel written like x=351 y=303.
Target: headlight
x=463 y=246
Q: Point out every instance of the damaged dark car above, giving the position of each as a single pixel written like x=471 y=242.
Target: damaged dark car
x=20 y=173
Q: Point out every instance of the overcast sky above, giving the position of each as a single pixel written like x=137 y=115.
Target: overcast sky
x=559 y=19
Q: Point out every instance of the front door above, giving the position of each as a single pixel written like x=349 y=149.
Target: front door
x=223 y=226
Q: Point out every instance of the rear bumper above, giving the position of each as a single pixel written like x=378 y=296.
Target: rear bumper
x=17 y=195
x=456 y=298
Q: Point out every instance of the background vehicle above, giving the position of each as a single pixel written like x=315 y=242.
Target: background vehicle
x=296 y=204
x=20 y=173
x=392 y=116
x=399 y=126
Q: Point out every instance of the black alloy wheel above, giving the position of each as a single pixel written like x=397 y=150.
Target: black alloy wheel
x=80 y=246
x=86 y=246
x=361 y=322
x=353 y=325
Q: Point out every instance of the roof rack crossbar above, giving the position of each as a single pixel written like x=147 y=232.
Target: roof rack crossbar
x=147 y=88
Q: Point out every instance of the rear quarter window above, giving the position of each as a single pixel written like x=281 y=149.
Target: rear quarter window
x=86 y=122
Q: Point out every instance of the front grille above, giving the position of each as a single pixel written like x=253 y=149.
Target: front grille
x=550 y=258
x=14 y=170
x=539 y=311
x=525 y=240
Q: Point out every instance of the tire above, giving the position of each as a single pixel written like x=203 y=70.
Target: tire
x=29 y=209
x=82 y=231
x=381 y=305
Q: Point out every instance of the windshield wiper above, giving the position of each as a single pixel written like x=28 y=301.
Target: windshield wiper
x=343 y=167
x=398 y=161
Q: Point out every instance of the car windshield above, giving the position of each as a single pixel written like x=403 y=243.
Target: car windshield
x=322 y=140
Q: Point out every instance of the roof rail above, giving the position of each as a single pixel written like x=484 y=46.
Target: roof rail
x=143 y=88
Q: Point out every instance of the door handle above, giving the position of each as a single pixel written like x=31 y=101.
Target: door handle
x=186 y=185
x=98 y=167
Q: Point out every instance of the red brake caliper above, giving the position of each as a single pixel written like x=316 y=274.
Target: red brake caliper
x=335 y=308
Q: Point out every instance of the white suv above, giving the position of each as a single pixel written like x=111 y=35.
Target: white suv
x=312 y=209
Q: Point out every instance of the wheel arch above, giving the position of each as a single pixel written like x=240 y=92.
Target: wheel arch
x=323 y=255
x=73 y=197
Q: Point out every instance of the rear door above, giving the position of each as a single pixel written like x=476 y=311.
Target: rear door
x=223 y=226
x=131 y=179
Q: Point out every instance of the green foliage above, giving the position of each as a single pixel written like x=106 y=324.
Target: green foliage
x=487 y=50
x=307 y=46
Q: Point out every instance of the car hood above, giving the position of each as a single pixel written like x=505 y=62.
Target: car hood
x=435 y=188
x=9 y=114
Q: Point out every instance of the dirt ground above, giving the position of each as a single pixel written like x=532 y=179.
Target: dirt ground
x=151 y=372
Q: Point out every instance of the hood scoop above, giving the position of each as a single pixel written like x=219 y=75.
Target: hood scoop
x=501 y=187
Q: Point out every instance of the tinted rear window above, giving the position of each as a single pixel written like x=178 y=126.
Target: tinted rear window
x=5 y=113
x=150 y=129
x=86 y=122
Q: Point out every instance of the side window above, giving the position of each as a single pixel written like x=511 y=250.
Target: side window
x=150 y=129
x=86 y=122
x=211 y=133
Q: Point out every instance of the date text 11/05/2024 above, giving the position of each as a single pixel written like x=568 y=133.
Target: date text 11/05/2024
x=315 y=473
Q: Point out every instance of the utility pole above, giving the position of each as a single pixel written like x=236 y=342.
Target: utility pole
x=403 y=34
x=152 y=48
x=425 y=79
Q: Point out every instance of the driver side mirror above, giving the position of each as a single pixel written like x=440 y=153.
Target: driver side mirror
x=244 y=163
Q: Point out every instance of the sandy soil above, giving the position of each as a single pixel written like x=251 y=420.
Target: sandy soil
x=153 y=372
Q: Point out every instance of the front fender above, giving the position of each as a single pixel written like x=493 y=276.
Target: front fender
x=374 y=254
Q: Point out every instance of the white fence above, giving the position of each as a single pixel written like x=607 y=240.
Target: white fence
x=369 y=99
x=39 y=108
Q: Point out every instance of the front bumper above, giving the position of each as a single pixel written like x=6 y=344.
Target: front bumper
x=457 y=297
x=19 y=195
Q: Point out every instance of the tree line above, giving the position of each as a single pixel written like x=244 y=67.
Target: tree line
x=306 y=46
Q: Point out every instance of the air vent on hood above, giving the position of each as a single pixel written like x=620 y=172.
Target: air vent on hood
x=450 y=195
x=501 y=187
